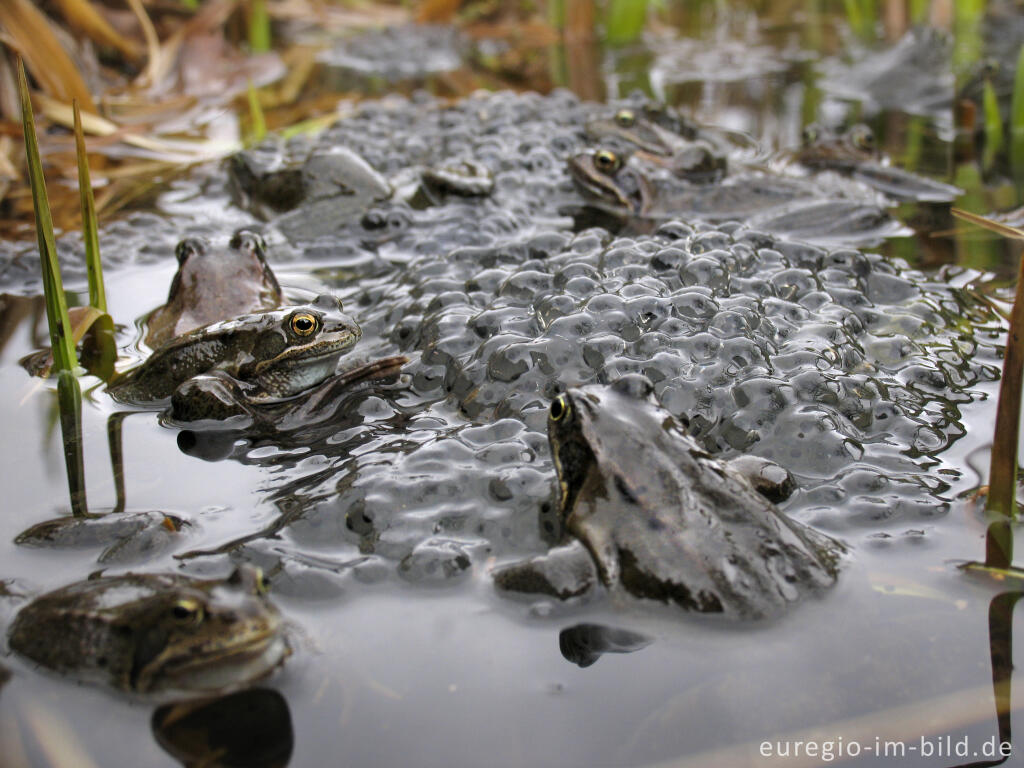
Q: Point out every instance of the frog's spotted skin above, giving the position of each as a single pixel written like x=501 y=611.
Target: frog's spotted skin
x=276 y=354
x=155 y=633
x=662 y=519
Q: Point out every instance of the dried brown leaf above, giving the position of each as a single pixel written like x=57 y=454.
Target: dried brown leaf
x=436 y=11
x=81 y=15
x=152 y=41
x=29 y=32
x=169 y=150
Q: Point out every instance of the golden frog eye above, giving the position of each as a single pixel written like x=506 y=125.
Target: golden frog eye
x=303 y=323
x=262 y=585
x=625 y=118
x=810 y=134
x=607 y=161
x=862 y=136
x=560 y=408
x=187 y=611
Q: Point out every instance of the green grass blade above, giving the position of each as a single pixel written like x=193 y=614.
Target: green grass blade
x=56 y=306
x=259 y=27
x=258 y=129
x=93 y=265
x=1017 y=123
x=556 y=14
x=861 y=16
x=993 y=125
x=918 y=11
x=192 y=5
x=624 y=20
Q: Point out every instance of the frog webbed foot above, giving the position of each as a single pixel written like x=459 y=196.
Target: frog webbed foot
x=215 y=397
x=564 y=572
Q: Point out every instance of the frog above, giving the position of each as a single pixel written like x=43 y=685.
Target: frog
x=659 y=518
x=771 y=202
x=607 y=180
x=307 y=197
x=275 y=354
x=822 y=147
x=221 y=403
x=214 y=283
x=692 y=155
x=854 y=152
x=156 y=633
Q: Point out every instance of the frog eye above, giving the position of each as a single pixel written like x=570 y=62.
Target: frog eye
x=560 y=408
x=188 y=247
x=625 y=118
x=607 y=161
x=187 y=611
x=248 y=240
x=262 y=585
x=862 y=136
x=303 y=323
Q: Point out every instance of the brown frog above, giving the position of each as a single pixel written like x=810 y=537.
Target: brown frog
x=660 y=518
x=150 y=632
x=213 y=284
x=854 y=153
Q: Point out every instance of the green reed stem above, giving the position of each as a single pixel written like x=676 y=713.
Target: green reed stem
x=93 y=265
x=1017 y=123
x=259 y=26
x=258 y=129
x=624 y=20
x=69 y=396
x=56 y=305
x=556 y=14
x=993 y=125
x=862 y=16
x=919 y=11
x=1002 y=478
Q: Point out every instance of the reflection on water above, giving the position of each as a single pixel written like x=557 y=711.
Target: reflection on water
x=583 y=644
x=248 y=729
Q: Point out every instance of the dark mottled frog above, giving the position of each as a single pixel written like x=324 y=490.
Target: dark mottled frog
x=691 y=155
x=308 y=198
x=274 y=354
x=662 y=519
x=213 y=284
x=775 y=203
x=854 y=153
x=154 y=633
x=604 y=178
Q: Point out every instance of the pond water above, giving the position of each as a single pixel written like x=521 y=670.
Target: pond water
x=378 y=527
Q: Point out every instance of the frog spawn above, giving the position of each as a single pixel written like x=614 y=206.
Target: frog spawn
x=838 y=365
x=842 y=367
x=765 y=346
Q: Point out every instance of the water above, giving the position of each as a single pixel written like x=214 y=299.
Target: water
x=385 y=520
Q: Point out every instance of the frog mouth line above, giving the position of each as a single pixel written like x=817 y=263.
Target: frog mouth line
x=234 y=663
x=329 y=350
